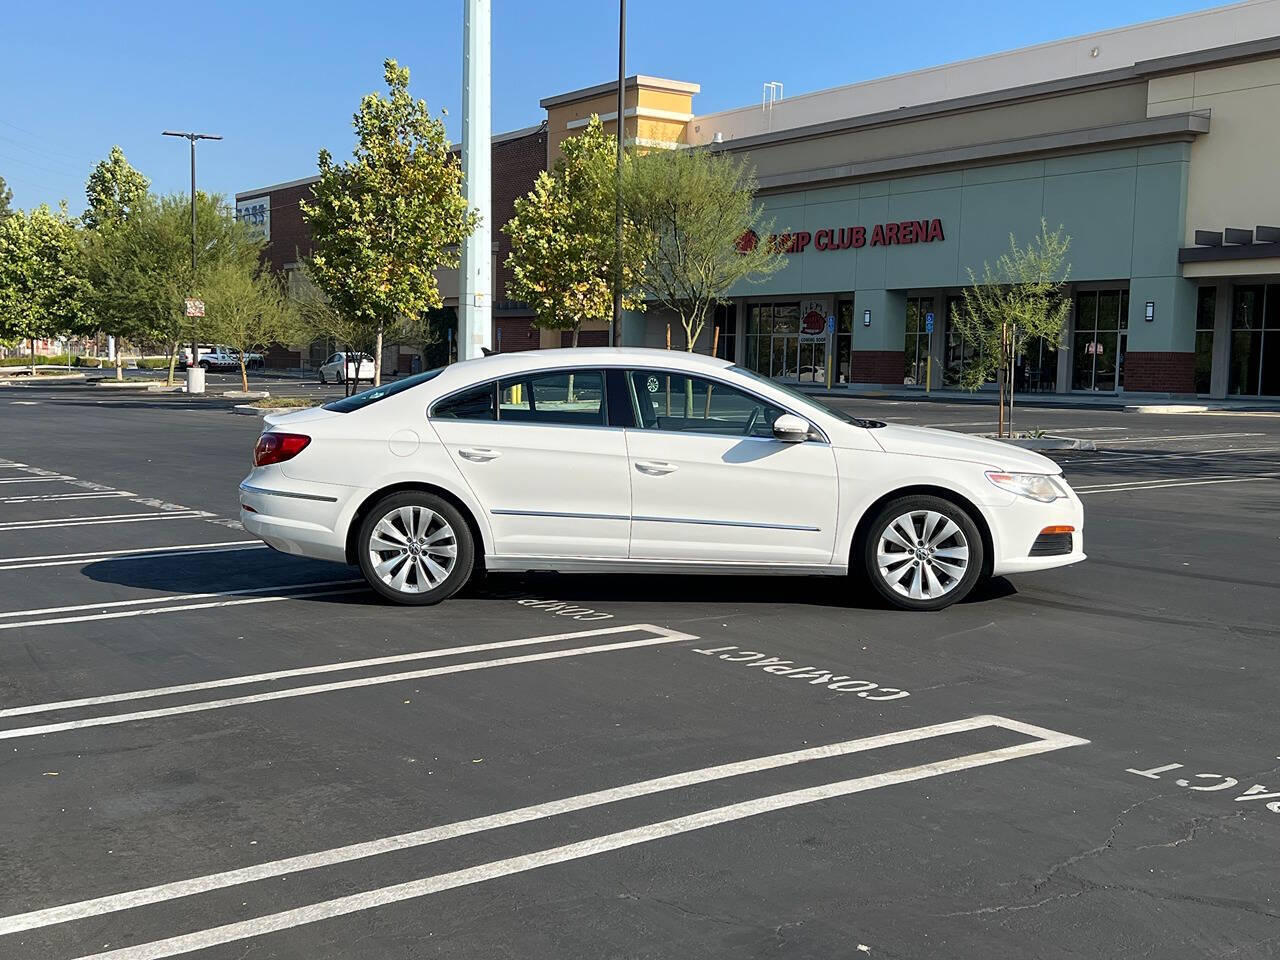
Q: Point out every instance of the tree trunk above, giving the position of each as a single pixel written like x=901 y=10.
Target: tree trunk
x=244 y=374
x=31 y=342
x=1013 y=365
x=1000 y=385
x=173 y=361
x=377 y=361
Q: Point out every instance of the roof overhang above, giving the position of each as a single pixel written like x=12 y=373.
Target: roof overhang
x=1171 y=128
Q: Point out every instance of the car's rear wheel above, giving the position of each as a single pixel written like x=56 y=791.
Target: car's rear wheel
x=322 y=379
x=922 y=553
x=415 y=548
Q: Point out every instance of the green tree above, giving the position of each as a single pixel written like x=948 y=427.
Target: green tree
x=1022 y=299
x=247 y=309
x=142 y=266
x=696 y=220
x=6 y=195
x=113 y=189
x=43 y=290
x=384 y=222
x=563 y=240
x=323 y=321
x=113 y=192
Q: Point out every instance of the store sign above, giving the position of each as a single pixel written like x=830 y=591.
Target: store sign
x=256 y=212
x=813 y=322
x=897 y=233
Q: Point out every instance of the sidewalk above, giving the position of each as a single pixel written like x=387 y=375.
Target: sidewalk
x=1133 y=402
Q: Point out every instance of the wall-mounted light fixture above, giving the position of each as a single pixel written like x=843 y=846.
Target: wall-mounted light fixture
x=866 y=318
x=1151 y=311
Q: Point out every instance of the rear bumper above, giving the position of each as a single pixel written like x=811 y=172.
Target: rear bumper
x=295 y=521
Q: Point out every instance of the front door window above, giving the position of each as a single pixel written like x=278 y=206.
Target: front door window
x=1100 y=339
x=1255 y=341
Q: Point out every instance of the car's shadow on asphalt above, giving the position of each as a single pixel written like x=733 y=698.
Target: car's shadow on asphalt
x=263 y=571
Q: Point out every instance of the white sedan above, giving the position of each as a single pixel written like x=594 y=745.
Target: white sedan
x=341 y=365
x=645 y=461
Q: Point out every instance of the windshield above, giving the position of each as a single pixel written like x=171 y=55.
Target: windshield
x=806 y=398
x=358 y=400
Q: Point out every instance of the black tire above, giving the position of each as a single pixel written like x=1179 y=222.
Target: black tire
x=415 y=592
x=322 y=379
x=925 y=578
x=204 y=364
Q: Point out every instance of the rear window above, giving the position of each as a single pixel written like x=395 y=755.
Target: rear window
x=359 y=400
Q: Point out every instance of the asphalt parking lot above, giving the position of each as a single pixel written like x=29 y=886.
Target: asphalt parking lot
x=210 y=749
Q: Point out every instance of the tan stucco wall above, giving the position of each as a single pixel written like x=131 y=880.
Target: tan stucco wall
x=1076 y=111
x=1234 y=180
x=648 y=129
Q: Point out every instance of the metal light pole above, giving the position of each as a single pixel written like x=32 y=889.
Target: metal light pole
x=475 y=324
x=193 y=137
x=615 y=321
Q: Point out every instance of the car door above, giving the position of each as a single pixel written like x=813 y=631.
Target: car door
x=709 y=481
x=539 y=456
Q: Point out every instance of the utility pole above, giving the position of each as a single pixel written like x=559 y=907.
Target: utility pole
x=193 y=137
x=615 y=321
x=477 y=250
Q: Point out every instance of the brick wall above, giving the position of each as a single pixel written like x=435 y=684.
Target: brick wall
x=515 y=165
x=518 y=333
x=877 y=366
x=1159 y=372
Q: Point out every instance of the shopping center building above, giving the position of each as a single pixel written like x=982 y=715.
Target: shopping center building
x=1154 y=147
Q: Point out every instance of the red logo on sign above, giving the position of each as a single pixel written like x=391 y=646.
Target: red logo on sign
x=812 y=323
x=747 y=242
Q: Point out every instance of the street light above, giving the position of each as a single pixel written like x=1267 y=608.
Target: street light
x=193 y=137
x=615 y=320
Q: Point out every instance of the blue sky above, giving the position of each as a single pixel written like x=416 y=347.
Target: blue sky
x=280 y=80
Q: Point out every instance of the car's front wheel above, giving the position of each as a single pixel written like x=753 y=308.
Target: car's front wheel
x=415 y=548
x=922 y=553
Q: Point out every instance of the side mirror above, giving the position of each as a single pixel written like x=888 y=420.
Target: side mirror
x=791 y=429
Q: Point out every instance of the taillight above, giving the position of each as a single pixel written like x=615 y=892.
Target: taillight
x=278 y=447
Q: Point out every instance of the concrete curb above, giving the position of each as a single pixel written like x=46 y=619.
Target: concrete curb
x=125 y=386
x=249 y=410
x=1266 y=410
x=1048 y=443
x=246 y=394
x=40 y=377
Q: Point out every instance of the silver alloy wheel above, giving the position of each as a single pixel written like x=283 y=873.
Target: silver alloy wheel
x=922 y=555
x=412 y=549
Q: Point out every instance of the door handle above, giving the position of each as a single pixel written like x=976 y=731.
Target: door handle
x=479 y=454
x=655 y=468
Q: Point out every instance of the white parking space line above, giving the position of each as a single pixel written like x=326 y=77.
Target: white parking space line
x=98 y=521
x=134 y=553
x=1185 y=436
x=170 y=604
x=58 y=477
x=1043 y=741
x=54 y=497
x=1136 y=485
x=664 y=636
x=1217 y=453
x=317 y=669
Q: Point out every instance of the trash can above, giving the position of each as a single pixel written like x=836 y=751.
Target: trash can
x=195 y=380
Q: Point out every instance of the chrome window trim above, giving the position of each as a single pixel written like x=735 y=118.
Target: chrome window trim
x=724 y=383
x=627 y=368
x=604 y=398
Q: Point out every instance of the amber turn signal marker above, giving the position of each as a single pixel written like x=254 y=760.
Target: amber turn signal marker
x=1063 y=529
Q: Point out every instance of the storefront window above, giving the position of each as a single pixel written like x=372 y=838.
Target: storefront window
x=1206 y=305
x=1100 y=339
x=1255 y=341
x=778 y=346
x=916 y=350
x=844 y=341
x=956 y=351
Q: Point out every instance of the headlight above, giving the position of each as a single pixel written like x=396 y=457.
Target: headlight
x=1037 y=486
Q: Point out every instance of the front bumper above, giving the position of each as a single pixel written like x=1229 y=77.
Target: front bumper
x=1017 y=525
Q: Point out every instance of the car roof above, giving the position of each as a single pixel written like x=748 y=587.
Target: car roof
x=505 y=364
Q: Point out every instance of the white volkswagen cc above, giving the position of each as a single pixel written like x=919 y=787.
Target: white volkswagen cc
x=645 y=461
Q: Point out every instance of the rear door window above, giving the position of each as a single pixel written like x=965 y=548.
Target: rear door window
x=567 y=397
